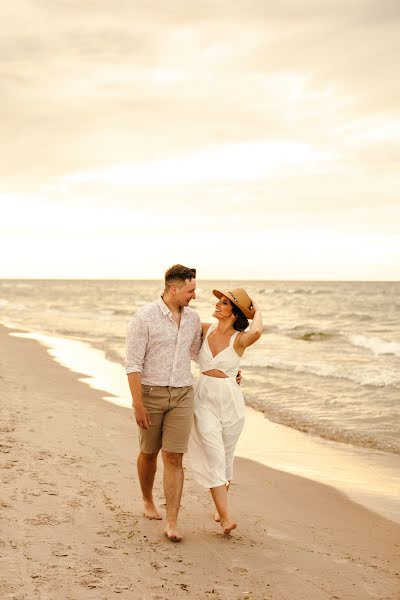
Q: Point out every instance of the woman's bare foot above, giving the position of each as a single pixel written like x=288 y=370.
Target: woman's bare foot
x=217 y=518
x=172 y=534
x=150 y=511
x=228 y=525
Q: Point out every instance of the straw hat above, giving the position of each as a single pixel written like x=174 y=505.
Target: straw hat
x=240 y=298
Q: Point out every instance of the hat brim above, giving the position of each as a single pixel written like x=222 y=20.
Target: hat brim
x=246 y=311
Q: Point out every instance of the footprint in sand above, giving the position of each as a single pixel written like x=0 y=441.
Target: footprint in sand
x=74 y=503
x=86 y=491
x=102 y=551
x=42 y=455
x=43 y=519
x=7 y=428
x=240 y=570
x=61 y=550
x=120 y=588
x=47 y=487
x=7 y=590
x=31 y=493
x=9 y=465
x=5 y=448
x=104 y=533
x=93 y=578
x=72 y=461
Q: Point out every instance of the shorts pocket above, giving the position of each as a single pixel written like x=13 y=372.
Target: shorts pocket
x=147 y=390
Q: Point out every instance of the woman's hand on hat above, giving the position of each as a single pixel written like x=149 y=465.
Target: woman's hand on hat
x=255 y=305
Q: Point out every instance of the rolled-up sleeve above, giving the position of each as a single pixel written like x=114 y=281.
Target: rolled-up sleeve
x=197 y=339
x=136 y=344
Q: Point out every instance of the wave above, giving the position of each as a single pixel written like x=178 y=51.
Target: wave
x=308 y=334
x=12 y=306
x=116 y=312
x=103 y=314
x=293 y=291
x=327 y=430
x=354 y=316
x=364 y=377
x=304 y=332
x=264 y=291
x=124 y=312
x=376 y=345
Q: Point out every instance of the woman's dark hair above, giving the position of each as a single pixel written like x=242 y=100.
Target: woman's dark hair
x=241 y=323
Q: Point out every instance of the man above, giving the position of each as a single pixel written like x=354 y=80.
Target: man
x=162 y=338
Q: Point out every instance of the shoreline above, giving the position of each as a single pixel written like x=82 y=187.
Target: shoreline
x=367 y=476
x=72 y=512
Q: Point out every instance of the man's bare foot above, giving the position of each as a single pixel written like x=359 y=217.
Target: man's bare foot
x=228 y=525
x=150 y=511
x=172 y=534
x=217 y=518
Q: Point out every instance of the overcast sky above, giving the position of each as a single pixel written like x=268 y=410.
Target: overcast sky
x=255 y=138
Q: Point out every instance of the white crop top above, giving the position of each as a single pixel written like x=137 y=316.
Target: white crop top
x=227 y=360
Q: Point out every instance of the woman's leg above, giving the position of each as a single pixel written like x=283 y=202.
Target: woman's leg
x=220 y=497
x=216 y=516
x=230 y=436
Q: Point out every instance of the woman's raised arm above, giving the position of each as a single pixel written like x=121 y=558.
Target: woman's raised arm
x=254 y=333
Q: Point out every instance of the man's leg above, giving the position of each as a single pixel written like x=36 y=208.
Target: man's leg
x=176 y=430
x=147 y=467
x=155 y=399
x=173 y=485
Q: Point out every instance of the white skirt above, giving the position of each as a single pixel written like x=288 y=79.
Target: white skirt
x=218 y=422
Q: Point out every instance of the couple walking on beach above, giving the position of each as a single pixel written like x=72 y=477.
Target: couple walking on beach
x=163 y=337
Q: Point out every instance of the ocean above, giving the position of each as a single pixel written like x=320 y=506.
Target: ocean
x=328 y=363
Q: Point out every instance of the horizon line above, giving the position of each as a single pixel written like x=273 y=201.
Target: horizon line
x=199 y=279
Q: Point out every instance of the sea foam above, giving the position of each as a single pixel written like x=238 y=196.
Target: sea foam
x=376 y=345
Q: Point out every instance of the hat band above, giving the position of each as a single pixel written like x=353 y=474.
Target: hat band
x=236 y=300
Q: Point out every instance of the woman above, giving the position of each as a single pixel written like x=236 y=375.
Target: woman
x=218 y=403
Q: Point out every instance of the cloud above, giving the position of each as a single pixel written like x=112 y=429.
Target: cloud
x=238 y=163
x=254 y=115
x=84 y=84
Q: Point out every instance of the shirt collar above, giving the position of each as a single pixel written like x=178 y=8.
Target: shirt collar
x=165 y=309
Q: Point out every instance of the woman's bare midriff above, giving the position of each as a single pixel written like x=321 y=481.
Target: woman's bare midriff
x=215 y=373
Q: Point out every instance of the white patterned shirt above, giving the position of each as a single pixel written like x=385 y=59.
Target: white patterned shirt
x=160 y=350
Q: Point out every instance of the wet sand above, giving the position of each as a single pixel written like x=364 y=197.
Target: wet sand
x=72 y=524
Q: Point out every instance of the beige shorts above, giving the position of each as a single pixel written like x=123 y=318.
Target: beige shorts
x=171 y=416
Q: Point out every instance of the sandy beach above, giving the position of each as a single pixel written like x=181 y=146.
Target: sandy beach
x=72 y=524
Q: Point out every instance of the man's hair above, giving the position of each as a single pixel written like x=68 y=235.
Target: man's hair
x=178 y=273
